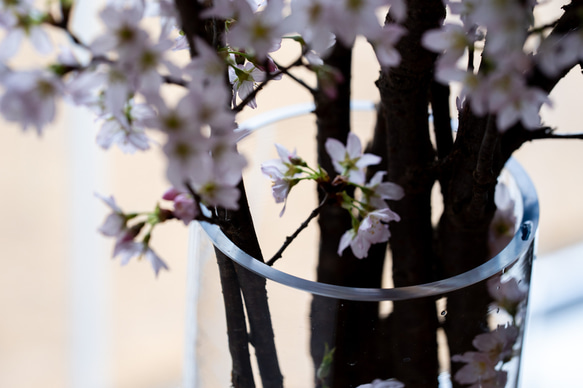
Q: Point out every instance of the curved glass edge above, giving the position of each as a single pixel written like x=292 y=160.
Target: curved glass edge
x=522 y=239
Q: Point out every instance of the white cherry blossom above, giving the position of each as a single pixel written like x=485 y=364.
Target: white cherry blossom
x=373 y=229
x=123 y=31
x=377 y=191
x=258 y=33
x=21 y=21
x=348 y=160
x=244 y=78
x=283 y=173
x=30 y=98
x=127 y=131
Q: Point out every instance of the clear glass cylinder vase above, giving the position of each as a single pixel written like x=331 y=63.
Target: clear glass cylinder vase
x=328 y=335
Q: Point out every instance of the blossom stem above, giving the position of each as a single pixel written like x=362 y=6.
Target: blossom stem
x=291 y=238
x=200 y=215
x=268 y=78
x=285 y=70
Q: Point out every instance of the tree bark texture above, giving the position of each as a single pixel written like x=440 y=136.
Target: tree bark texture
x=345 y=325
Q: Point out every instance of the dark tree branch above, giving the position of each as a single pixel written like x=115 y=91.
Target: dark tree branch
x=303 y=226
x=439 y=98
x=241 y=371
x=238 y=226
x=569 y=22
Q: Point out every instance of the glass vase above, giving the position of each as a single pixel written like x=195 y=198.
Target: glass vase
x=328 y=335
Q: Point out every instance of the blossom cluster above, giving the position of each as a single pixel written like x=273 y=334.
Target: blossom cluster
x=483 y=368
x=499 y=85
x=122 y=73
x=370 y=213
x=127 y=245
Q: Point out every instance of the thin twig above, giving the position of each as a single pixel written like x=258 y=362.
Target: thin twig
x=303 y=226
x=285 y=70
x=270 y=77
x=549 y=133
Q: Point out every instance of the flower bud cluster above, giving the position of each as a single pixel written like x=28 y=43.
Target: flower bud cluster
x=132 y=233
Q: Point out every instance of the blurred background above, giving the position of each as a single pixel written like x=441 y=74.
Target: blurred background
x=72 y=317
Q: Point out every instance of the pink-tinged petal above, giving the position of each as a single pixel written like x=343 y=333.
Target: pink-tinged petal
x=109 y=201
x=392 y=191
x=435 y=40
x=506 y=118
x=356 y=176
x=284 y=154
x=155 y=261
x=11 y=43
x=170 y=194
x=113 y=225
x=368 y=160
x=345 y=241
x=353 y=146
x=40 y=40
x=335 y=149
x=376 y=179
x=102 y=44
x=127 y=250
x=360 y=246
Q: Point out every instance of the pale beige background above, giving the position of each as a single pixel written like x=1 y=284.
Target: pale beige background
x=140 y=318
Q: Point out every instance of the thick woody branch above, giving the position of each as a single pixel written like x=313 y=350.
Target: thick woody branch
x=238 y=226
x=569 y=22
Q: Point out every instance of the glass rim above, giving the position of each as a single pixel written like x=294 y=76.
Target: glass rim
x=521 y=241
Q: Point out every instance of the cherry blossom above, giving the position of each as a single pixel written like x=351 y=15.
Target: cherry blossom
x=376 y=191
x=372 y=230
x=131 y=249
x=83 y=88
x=503 y=223
x=348 y=160
x=498 y=343
x=384 y=41
x=508 y=294
x=115 y=222
x=123 y=32
x=21 y=21
x=352 y=18
x=479 y=367
x=206 y=68
x=243 y=78
x=310 y=18
x=283 y=172
x=127 y=131
x=451 y=40
x=258 y=32
x=29 y=98
x=185 y=207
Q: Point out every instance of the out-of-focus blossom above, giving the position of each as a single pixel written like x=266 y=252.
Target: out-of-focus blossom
x=29 y=98
x=185 y=207
x=377 y=191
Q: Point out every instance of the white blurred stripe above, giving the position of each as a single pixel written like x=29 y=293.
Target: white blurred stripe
x=90 y=302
